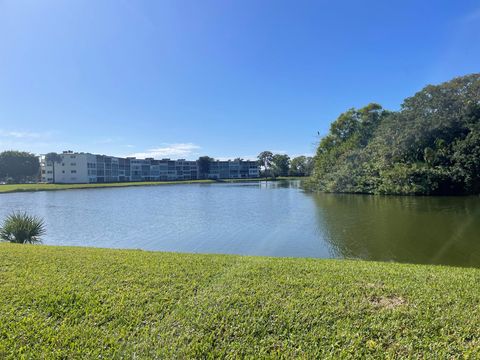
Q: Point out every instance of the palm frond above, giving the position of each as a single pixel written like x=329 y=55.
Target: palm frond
x=21 y=228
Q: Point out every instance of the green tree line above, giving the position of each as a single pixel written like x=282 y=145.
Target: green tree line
x=431 y=146
x=281 y=164
x=18 y=166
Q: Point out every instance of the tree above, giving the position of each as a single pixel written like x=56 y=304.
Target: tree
x=204 y=166
x=431 y=146
x=301 y=166
x=22 y=228
x=280 y=164
x=53 y=158
x=309 y=165
x=466 y=162
x=18 y=165
x=265 y=160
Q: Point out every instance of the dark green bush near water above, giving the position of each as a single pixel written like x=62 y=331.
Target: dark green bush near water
x=22 y=228
x=430 y=147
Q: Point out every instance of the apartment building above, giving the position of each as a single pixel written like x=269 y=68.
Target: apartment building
x=233 y=169
x=74 y=167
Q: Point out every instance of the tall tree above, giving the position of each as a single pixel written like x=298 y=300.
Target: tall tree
x=280 y=164
x=301 y=166
x=53 y=158
x=265 y=160
x=18 y=165
x=204 y=166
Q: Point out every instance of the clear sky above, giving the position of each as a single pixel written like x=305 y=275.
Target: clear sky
x=221 y=78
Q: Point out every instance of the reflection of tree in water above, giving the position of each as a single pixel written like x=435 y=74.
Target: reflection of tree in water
x=286 y=184
x=432 y=230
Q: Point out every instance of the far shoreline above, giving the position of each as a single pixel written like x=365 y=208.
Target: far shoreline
x=15 y=188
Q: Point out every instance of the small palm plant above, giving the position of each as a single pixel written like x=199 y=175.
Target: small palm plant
x=22 y=228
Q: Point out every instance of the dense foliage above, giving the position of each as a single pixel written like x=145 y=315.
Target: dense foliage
x=18 y=166
x=281 y=164
x=204 y=166
x=301 y=166
x=431 y=146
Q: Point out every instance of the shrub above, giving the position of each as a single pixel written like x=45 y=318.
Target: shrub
x=22 y=228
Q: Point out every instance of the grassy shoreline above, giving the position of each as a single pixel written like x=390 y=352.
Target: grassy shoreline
x=10 y=188
x=66 y=302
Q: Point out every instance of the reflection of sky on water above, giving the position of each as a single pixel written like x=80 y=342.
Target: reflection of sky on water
x=266 y=218
x=251 y=218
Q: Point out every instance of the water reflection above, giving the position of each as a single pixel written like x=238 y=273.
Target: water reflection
x=429 y=230
x=260 y=218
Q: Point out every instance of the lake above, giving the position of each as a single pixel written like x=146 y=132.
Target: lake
x=272 y=219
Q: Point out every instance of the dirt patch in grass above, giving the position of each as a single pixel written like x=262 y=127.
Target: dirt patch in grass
x=387 y=302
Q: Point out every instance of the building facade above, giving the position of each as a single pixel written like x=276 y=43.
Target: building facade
x=90 y=168
x=233 y=169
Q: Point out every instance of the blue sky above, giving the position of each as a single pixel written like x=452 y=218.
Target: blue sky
x=220 y=78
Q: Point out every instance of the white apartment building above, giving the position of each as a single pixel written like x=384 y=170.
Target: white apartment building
x=74 y=167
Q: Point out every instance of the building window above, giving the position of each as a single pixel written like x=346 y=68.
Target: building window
x=73 y=171
x=73 y=164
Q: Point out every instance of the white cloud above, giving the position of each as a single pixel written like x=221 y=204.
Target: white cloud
x=36 y=142
x=13 y=134
x=179 y=150
x=304 y=154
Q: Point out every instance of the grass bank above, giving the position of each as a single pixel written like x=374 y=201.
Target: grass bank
x=61 y=302
x=49 y=187
x=9 y=188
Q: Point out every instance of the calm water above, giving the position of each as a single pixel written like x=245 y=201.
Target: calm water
x=275 y=219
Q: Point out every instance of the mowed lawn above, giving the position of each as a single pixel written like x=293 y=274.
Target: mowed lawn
x=8 y=188
x=65 y=302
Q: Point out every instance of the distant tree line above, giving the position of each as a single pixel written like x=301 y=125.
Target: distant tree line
x=281 y=165
x=431 y=146
x=18 y=166
x=271 y=165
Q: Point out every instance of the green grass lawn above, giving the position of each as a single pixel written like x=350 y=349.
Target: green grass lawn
x=63 y=302
x=46 y=187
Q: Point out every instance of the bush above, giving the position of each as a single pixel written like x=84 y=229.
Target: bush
x=22 y=228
